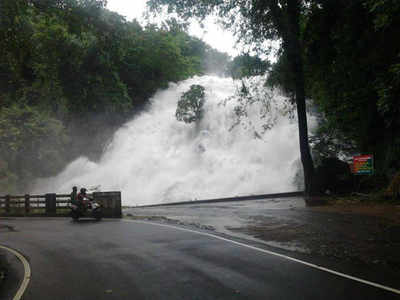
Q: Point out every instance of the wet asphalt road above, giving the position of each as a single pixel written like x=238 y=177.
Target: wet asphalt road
x=116 y=259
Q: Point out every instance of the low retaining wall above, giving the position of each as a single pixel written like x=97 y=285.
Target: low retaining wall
x=230 y=199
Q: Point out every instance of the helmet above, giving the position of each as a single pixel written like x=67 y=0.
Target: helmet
x=74 y=188
x=83 y=190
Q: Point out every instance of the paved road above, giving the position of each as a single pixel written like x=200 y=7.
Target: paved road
x=364 y=245
x=116 y=259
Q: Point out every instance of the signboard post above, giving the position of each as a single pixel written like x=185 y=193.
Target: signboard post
x=363 y=165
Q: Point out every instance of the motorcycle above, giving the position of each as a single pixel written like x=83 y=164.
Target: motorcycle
x=88 y=209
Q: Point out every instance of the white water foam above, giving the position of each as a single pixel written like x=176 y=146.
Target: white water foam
x=154 y=158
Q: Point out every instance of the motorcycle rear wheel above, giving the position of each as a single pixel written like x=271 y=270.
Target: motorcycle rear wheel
x=98 y=215
x=75 y=215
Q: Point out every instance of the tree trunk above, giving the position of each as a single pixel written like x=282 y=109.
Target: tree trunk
x=306 y=159
x=293 y=48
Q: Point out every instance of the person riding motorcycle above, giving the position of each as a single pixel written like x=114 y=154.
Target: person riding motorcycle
x=86 y=207
x=83 y=199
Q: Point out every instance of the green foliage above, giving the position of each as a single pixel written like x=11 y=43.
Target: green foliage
x=29 y=144
x=253 y=98
x=282 y=77
x=384 y=12
x=328 y=141
x=190 y=106
x=74 y=64
x=246 y=66
x=251 y=20
x=352 y=66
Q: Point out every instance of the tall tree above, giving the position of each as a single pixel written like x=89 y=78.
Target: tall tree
x=352 y=62
x=258 y=21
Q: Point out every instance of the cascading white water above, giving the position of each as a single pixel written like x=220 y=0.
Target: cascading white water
x=154 y=158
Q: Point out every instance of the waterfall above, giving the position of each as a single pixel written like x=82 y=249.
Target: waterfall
x=154 y=158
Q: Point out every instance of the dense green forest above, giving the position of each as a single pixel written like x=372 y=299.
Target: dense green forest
x=72 y=71
x=351 y=54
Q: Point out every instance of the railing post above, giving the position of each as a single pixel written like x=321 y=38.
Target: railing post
x=51 y=208
x=27 y=203
x=118 y=206
x=7 y=204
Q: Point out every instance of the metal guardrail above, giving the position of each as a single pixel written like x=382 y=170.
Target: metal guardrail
x=56 y=204
x=230 y=199
x=33 y=204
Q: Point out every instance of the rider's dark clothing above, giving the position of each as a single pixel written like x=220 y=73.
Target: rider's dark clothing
x=74 y=197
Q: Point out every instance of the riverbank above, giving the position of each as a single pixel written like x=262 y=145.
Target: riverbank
x=361 y=233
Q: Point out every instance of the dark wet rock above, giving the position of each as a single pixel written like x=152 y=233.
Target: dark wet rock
x=333 y=176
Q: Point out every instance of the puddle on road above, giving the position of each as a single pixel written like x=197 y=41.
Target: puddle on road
x=7 y=228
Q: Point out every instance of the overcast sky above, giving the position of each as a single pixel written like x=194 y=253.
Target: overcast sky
x=211 y=34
